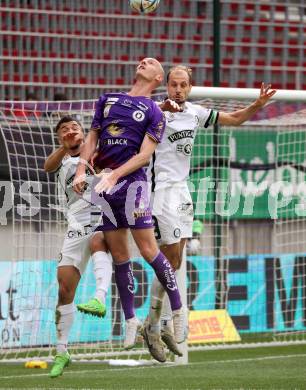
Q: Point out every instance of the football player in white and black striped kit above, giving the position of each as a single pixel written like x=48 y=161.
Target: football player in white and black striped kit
x=171 y=203
x=80 y=241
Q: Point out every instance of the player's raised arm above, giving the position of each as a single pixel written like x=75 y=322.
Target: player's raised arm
x=54 y=160
x=109 y=179
x=170 y=106
x=236 y=118
x=87 y=152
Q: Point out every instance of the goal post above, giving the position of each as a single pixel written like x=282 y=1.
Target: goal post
x=258 y=261
x=260 y=201
x=283 y=95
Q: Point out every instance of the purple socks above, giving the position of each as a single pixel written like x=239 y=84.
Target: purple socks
x=125 y=284
x=166 y=276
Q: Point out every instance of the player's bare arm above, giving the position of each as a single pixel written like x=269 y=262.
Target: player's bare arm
x=236 y=118
x=55 y=159
x=87 y=151
x=109 y=179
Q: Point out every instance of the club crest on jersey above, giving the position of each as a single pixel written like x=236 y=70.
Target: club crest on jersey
x=138 y=116
x=170 y=117
x=185 y=149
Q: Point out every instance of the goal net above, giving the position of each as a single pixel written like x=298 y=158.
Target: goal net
x=245 y=266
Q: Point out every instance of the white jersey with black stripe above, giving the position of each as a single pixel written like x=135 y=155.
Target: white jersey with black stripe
x=78 y=209
x=170 y=163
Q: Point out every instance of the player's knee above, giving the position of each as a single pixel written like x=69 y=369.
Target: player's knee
x=119 y=254
x=97 y=243
x=147 y=251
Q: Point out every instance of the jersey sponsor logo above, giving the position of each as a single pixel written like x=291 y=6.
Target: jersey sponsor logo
x=148 y=221
x=142 y=106
x=130 y=285
x=127 y=103
x=118 y=141
x=159 y=128
x=140 y=213
x=185 y=149
x=87 y=229
x=181 y=135
x=60 y=257
x=114 y=130
x=170 y=278
x=138 y=116
x=185 y=209
x=112 y=100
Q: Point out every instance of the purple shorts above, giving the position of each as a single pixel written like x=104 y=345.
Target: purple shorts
x=126 y=207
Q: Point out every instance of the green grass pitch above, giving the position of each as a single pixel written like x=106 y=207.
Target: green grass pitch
x=279 y=368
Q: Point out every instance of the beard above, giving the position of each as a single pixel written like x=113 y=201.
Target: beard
x=180 y=101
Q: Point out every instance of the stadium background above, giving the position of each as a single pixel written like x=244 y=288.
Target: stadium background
x=83 y=48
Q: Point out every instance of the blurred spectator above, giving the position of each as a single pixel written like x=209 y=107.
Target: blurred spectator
x=31 y=96
x=60 y=96
x=60 y=109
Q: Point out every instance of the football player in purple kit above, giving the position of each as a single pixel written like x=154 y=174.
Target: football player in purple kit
x=127 y=128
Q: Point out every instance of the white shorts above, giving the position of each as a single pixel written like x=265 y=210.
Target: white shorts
x=172 y=210
x=75 y=250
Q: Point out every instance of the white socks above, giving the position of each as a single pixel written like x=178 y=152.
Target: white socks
x=156 y=301
x=103 y=269
x=64 y=316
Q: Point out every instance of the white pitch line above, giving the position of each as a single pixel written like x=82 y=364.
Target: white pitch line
x=169 y=365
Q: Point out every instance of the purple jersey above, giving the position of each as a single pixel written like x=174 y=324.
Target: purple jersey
x=123 y=121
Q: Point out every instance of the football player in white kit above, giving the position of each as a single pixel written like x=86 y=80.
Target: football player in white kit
x=79 y=243
x=171 y=200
